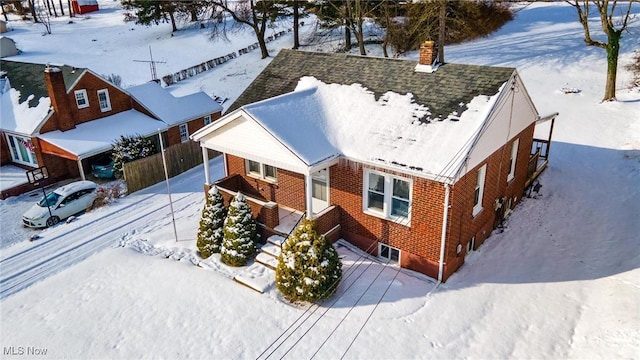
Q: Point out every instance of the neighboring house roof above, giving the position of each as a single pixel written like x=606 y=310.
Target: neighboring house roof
x=170 y=109
x=443 y=90
x=25 y=99
x=93 y=137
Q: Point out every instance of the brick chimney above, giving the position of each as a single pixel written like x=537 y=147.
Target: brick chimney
x=59 y=98
x=428 y=53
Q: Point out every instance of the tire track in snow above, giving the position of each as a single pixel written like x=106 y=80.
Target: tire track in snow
x=22 y=274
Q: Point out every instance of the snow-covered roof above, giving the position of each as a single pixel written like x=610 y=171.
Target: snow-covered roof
x=170 y=109
x=321 y=121
x=93 y=137
x=19 y=117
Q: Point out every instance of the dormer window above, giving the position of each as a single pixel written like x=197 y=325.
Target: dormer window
x=82 y=101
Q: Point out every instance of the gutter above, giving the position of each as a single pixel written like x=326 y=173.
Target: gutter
x=447 y=191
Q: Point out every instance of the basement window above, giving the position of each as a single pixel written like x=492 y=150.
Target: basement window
x=81 y=98
x=103 y=98
x=388 y=253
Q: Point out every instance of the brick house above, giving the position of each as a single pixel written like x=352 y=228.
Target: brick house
x=64 y=117
x=414 y=162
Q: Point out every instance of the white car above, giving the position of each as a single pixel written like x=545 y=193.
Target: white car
x=63 y=202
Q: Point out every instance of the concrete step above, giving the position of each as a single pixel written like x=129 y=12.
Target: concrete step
x=271 y=249
x=267 y=260
x=276 y=240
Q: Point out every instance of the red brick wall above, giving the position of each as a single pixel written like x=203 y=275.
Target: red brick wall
x=288 y=191
x=462 y=225
x=194 y=125
x=120 y=101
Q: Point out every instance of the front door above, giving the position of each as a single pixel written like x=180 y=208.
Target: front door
x=319 y=190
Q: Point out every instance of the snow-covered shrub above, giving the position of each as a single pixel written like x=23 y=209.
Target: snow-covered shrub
x=130 y=148
x=308 y=266
x=210 y=232
x=240 y=233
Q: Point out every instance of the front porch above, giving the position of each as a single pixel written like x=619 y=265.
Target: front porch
x=274 y=218
x=539 y=158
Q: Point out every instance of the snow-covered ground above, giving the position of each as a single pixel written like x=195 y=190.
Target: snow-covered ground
x=562 y=281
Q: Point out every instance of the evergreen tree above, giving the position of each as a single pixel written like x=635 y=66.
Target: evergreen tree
x=210 y=232
x=240 y=233
x=130 y=148
x=308 y=267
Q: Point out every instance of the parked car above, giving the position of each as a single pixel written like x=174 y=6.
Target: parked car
x=102 y=168
x=63 y=202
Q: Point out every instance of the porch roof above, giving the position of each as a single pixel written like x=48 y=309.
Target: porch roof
x=93 y=137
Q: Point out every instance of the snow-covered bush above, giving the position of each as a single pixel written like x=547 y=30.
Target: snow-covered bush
x=308 y=266
x=210 y=232
x=240 y=233
x=130 y=148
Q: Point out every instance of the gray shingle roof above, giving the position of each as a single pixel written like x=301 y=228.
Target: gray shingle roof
x=442 y=91
x=28 y=78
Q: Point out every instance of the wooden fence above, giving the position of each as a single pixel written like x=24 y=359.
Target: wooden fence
x=145 y=172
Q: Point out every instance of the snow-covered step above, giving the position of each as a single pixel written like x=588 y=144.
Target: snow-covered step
x=267 y=260
x=256 y=277
x=271 y=249
x=276 y=240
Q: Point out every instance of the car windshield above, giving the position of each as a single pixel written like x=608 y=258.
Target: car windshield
x=51 y=198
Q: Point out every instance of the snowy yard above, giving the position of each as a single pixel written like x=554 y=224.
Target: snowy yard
x=562 y=280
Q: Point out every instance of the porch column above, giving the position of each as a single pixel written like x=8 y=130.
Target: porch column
x=81 y=169
x=205 y=160
x=307 y=194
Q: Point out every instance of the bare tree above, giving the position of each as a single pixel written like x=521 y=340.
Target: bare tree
x=253 y=13
x=614 y=21
x=354 y=13
x=43 y=16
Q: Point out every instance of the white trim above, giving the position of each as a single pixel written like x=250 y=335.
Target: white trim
x=480 y=180
x=387 y=194
x=513 y=159
x=107 y=99
x=83 y=93
x=207 y=119
x=17 y=139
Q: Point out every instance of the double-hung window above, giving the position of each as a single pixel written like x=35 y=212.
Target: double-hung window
x=82 y=101
x=207 y=120
x=184 y=132
x=262 y=171
x=512 y=160
x=103 y=98
x=478 y=192
x=387 y=196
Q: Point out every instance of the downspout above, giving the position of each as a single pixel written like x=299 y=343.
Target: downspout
x=443 y=240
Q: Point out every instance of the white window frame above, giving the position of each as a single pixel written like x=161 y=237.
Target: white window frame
x=107 y=106
x=184 y=132
x=262 y=175
x=13 y=142
x=81 y=95
x=479 y=188
x=391 y=249
x=207 y=120
x=513 y=159
x=387 y=197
